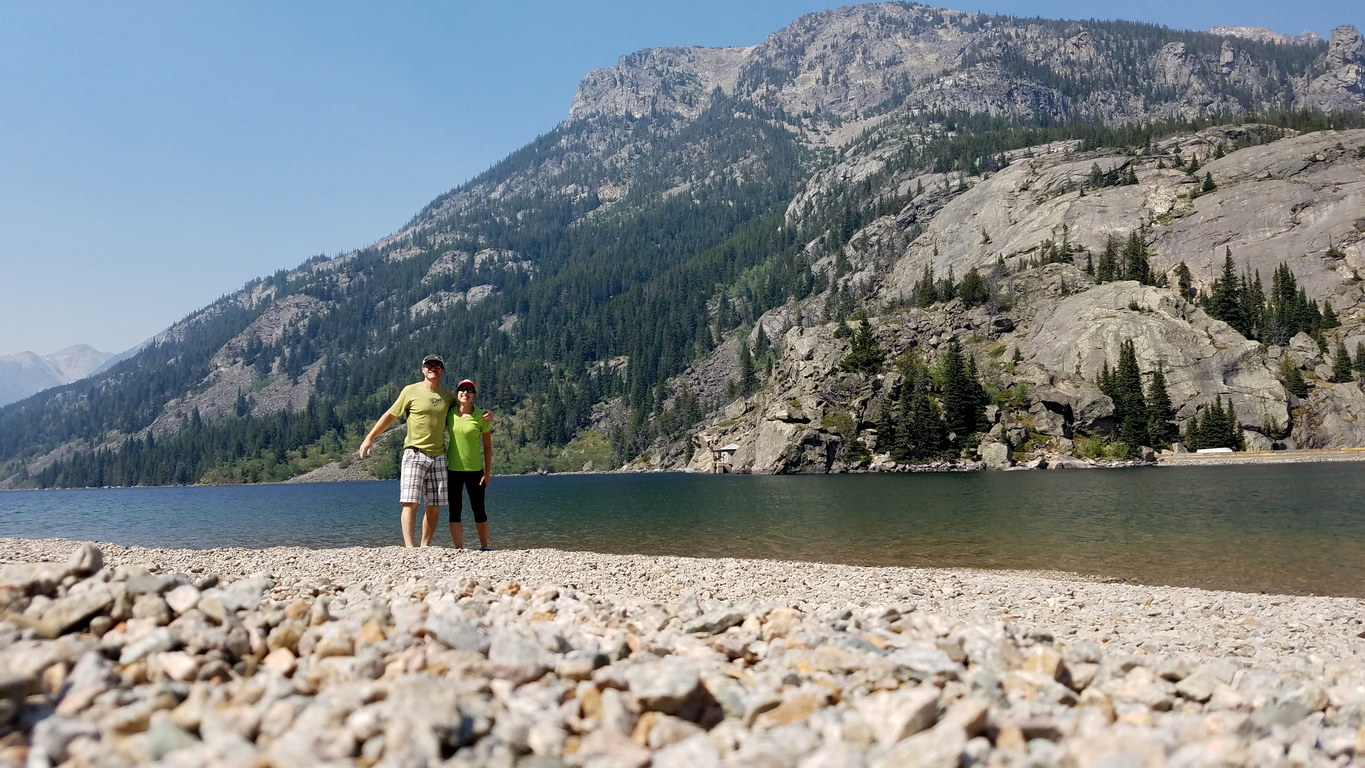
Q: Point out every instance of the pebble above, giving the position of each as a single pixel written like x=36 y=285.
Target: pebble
x=119 y=656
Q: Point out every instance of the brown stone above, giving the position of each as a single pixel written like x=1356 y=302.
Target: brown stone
x=590 y=701
x=372 y=632
x=1045 y=661
x=969 y=714
x=297 y=610
x=1012 y=739
x=793 y=709
x=281 y=660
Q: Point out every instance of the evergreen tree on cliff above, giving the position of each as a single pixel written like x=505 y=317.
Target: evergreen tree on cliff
x=865 y=353
x=1107 y=268
x=964 y=399
x=1161 y=429
x=1135 y=264
x=973 y=291
x=1341 y=364
x=748 y=379
x=1224 y=301
x=1220 y=428
x=1292 y=377
x=918 y=432
x=1123 y=385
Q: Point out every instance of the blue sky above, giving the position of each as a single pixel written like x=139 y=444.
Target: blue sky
x=157 y=154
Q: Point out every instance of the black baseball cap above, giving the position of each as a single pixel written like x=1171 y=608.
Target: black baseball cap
x=433 y=360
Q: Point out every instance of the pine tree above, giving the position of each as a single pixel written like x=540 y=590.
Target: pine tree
x=973 y=290
x=1161 y=429
x=1184 y=280
x=963 y=406
x=1341 y=364
x=1224 y=302
x=1293 y=379
x=925 y=292
x=1192 y=437
x=748 y=379
x=1130 y=406
x=1220 y=428
x=1329 y=316
x=1135 y=262
x=919 y=432
x=1106 y=269
x=865 y=353
x=1212 y=429
x=1254 y=307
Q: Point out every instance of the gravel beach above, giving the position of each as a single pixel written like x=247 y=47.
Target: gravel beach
x=113 y=656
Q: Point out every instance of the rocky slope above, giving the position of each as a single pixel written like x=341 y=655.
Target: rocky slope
x=851 y=65
x=1285 y=202
x=886 y=139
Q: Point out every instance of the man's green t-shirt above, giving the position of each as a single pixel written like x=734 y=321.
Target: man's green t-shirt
x=425 y=411
x=465 y=453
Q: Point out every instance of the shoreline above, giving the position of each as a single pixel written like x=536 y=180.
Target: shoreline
x=122 y=656
x=1165 y=459
x=1304 y=456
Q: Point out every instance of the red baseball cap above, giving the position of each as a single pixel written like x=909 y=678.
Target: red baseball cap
x=467 y=383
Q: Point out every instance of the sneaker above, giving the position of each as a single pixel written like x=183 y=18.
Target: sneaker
x=485 y=549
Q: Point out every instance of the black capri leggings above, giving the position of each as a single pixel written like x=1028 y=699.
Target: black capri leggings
x=470 y=481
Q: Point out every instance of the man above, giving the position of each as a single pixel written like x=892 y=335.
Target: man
x=423 y=475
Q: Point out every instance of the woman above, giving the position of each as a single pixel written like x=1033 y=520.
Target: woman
x=470 y=459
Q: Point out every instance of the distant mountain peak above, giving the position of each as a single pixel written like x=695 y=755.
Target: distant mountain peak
x=1263 y=35
x=26 y=373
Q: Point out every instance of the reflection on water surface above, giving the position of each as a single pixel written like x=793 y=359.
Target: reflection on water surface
x=1284 y=528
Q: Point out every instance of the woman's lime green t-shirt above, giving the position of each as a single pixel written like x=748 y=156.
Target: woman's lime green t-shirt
x=465 y=453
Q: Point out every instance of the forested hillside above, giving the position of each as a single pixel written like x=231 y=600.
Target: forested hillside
x=637 y=282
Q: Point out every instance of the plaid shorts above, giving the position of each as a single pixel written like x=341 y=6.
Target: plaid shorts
x=422 y=475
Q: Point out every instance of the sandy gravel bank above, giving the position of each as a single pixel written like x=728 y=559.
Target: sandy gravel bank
x=1151 y=617
x=1307 y=456
x=114 y=656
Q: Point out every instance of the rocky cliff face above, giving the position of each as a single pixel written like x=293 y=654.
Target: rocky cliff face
x=669 y=80
x=1285 y=202
x=1342 y=85
x=851 y=65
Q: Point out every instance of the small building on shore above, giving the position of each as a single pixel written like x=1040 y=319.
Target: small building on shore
x=721 y=456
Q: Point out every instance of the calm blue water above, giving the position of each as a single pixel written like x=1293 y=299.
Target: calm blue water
x=1289 y=528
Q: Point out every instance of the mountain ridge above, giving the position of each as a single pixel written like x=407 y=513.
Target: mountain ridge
x=25 y=373
x=592 y=276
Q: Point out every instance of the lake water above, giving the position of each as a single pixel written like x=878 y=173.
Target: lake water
x=1284 y=528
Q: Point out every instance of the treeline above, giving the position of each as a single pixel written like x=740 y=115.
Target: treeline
x=972 y=144
x=655 y=283
x=231 y=448
x=1272 y=317
x=1142 y=416
x=935 y=410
